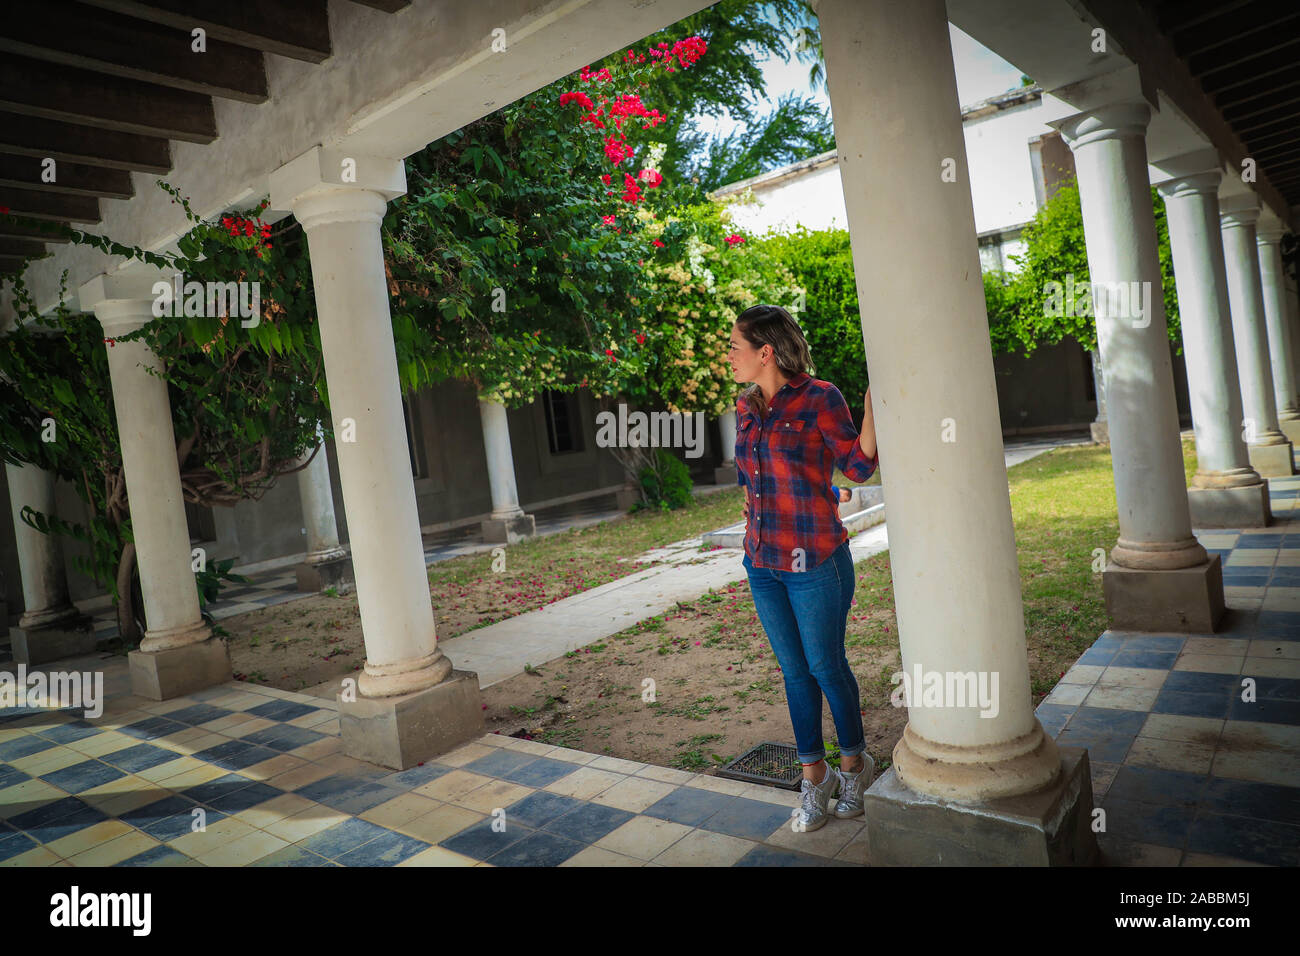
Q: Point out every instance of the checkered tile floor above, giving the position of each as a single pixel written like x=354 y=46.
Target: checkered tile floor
x=263 y=770
x=1187 y=771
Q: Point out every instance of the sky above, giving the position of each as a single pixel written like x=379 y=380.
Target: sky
x=981 y=73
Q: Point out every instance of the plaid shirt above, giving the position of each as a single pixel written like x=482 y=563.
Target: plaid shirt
x=785 y=462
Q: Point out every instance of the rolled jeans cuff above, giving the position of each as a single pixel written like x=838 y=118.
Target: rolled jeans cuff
x=809 y=758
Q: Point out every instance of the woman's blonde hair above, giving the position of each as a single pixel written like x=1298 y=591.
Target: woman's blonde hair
x=772 y=325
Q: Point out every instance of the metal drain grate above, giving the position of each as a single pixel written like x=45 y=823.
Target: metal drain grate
x=776 y=765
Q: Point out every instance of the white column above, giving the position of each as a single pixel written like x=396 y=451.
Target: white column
x=341 y=221
x=1192 y=206
x=727 y=428
x=123 y=303
x=500 y=460
x=1268 y=241
x=317 y=495
x=949 y=510
x=40 y=556
x=1109 y=146
x=1293 y=317
x=1241 y=257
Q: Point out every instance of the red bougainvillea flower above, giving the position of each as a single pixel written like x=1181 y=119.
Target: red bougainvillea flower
x=658 y=244
x=607 y=220
x=650 y=177
x=640 y=338
x=733 y=239
x=582 y=99
x=605 y=178
x=689 y=50
x=614 y=150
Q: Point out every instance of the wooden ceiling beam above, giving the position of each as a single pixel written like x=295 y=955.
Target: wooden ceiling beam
x=30 y=172
x=298 y=30
x=73 y=34
x=33 y=136
x=34 y=88
x=56 y=207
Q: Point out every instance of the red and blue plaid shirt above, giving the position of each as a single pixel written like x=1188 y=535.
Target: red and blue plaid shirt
x=785 y=461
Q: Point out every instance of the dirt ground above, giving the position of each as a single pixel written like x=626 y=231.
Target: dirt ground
x=717 y=688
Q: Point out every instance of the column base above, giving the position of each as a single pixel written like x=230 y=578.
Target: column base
x=162 y=675
x=1183 y=600
x=334 y=573
x=1051 y=827
x=1230 y=507
x=725 y=474
x=1100 y=432
x=40 y=645
x=1290 y=427
x=400 y=732
x=1272 y=461
x=509 y=530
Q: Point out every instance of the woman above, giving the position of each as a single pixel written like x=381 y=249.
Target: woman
x=791 y=432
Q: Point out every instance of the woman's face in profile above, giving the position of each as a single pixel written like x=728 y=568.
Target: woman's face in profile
x=744 y=358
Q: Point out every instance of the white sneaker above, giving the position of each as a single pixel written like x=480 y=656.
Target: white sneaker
x=855 y=785
x=812 y=811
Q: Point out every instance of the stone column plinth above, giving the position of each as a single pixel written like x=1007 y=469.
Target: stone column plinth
x=1159 y=578
x=407 y=704
x=1226 y=491
x=178 y=654
x=1281 y=347
x=507 y=523
x=327 y=564
x=1270 y=449
x=725 y=474
x=946 y=484
x=50 y=627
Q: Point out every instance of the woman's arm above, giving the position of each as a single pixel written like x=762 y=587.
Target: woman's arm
x=868 y=437
x=844 y=441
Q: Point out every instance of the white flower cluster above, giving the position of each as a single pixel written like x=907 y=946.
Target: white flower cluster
x=695 y=256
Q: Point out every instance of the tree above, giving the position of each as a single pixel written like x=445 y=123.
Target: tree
x=1049 y=298
x=247 y=396
x=739 y=33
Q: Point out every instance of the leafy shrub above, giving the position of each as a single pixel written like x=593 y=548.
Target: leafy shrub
x=665 y=484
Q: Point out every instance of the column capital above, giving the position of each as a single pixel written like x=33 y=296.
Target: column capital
x=1186 y=173
x=322 y=178
x=1237 y=211
x=123 y=300
x=1112 y=121
x=1269 y=232
x=1197 y=184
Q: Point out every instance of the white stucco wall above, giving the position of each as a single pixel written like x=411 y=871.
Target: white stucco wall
x=814 y=199
x=1001 y=178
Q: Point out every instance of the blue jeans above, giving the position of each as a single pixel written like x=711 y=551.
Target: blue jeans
x=804 y=614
